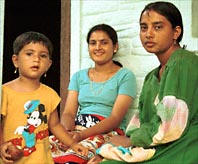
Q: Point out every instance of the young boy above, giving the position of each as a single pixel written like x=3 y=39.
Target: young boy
x=28 y=107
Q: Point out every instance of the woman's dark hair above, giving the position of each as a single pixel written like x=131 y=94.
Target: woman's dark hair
x=107 y=29
x=34 y=37
x=118 y=63
x=168 y=10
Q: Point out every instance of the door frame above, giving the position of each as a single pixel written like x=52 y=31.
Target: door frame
x=65 y=50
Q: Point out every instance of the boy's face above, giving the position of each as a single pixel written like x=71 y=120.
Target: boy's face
x=32 y=61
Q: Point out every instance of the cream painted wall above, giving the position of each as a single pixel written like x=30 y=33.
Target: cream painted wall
x=123 y=15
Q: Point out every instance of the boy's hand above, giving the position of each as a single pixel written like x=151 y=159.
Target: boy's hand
x=5 y=156
x=62 y=146
x=78 y=148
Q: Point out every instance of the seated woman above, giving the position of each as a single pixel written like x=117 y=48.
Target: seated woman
x=166 y=130
x=98 y=98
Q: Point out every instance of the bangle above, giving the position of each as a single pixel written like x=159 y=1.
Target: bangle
x=80 y=135
x=68 y=130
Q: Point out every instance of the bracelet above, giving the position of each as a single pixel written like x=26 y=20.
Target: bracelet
x=79 y=134
x=68 y=130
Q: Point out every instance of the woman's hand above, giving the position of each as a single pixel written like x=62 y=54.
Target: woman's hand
x=78 y=148
x=3 y=152
x=120 y=141
x=77 y=136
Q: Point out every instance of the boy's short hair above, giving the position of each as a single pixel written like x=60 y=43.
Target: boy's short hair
x=34 y=37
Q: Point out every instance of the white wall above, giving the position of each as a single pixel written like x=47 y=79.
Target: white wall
x=123 y=15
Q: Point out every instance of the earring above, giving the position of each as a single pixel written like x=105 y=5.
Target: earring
x=114 y=51
x=45 y=75
x=175 y=42
x=15 y=71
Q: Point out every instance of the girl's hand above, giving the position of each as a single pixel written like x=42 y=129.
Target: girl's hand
x=78 y=148
x=95 y=160
x=3 y=152
x=120 y=141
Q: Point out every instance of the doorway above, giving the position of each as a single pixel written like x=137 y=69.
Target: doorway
x=32 y=15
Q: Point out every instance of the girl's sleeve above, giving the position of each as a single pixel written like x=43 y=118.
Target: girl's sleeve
x=171 y=106
x=128 y=84
x=167 y=125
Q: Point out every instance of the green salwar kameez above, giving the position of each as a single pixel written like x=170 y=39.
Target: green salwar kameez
x=168 y=112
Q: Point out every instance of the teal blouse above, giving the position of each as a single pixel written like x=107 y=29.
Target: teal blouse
x=99 y=97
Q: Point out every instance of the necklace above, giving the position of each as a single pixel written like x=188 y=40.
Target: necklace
x=97 y=87
x=96 y=91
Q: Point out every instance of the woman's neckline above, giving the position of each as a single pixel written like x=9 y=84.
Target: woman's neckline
x=109 y=76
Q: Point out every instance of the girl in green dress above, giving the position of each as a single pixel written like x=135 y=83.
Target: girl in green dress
x=166 y=129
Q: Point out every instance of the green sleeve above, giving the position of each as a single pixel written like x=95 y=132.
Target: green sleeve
x=179 y=81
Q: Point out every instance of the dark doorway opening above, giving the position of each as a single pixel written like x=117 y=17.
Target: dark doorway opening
x=33 y=15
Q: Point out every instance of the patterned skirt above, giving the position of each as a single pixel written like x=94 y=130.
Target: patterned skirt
x=82 y=122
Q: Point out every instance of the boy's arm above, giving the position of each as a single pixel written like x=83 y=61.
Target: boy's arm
x=4 y=145
x=58 y=130
x=70 y=111
x=61 y=134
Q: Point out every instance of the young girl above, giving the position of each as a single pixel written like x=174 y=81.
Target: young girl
x=28 y=107
x=166 y=130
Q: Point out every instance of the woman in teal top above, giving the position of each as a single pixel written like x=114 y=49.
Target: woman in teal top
x=166 y=130
x=98 y=98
